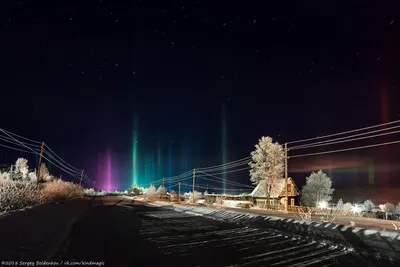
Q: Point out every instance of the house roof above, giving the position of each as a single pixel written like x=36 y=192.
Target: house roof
x=276 y=190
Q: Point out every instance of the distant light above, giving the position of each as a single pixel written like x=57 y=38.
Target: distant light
x=323 y=204
x=356 y=209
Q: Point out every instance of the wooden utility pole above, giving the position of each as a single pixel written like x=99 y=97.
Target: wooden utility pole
x=179 y=192
x=40 y=162
x=286 y=178
x=80 y=183
x=194 y=177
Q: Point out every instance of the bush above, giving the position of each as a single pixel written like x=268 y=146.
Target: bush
x=368 y=206
x=57 y=190
x=18 y=195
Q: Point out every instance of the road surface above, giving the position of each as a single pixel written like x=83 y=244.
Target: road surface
x=139 y=235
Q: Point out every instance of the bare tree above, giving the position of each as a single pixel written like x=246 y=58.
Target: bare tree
x=161 y=190
x=267 y=164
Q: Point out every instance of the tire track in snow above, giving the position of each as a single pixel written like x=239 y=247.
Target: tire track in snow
x=187 y=238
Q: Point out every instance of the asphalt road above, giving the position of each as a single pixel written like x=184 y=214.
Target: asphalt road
x=139 y=235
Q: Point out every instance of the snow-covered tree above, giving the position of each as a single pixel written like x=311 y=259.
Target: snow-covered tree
x=151 y=191
x=317 y=188
x=267 y=164
x=44 y=173
x=368 y=205
x=348 y=207
x=4 y=176
x=161 y=190
x=32 y=177
x=388 y=207
x=339 y=205
x=21 y=169
x=398 y=208
x=197 y=196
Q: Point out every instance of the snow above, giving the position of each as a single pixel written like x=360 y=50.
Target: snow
x=361 y=240
x=234 y=203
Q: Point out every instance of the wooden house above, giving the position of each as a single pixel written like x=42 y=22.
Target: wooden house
x=278 y=193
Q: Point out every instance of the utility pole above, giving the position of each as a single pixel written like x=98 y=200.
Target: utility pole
x=179 y=192
x=194 y=177
x=40 y=162
x=286 y=177
x=94 y=184
x=163 y=180
x=80 y=183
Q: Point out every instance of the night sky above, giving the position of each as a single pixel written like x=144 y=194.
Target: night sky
x=85 y=76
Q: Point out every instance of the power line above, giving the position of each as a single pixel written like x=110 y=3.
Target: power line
x=17 y=149
x=346 y=149
x=217 y=188
x=343 y=141
x=229 y=183
x=178 y=176
x=59 y=162
x=10 y=140
x=341 y=133
x=10 y=133
x=227 y=167
x=242 y=169
x=224 y=180
x=221 y=165
x=61 y=158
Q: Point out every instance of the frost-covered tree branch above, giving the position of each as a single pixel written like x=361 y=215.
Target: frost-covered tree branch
x=267 y=163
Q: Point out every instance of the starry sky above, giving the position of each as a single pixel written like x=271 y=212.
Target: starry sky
x=201 y=79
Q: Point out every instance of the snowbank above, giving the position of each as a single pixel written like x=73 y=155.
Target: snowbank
x=379 y=243
x=236 y=203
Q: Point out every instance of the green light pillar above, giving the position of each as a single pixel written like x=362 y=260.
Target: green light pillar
x=135 y=148
x=224 y=145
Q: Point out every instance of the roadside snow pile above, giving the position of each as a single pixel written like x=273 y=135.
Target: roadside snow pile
x=92 y=193
x=236 y=204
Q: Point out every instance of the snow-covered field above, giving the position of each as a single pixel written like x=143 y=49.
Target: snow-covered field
x=361 y=240
x=191 y=241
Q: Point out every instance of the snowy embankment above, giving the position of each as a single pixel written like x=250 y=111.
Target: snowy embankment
x=35 y=233
x=378 y=243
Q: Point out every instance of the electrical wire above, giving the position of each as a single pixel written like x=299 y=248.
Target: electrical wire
x=178 y=176
x=229 y=183
x=10 y=133
x=242 y=169
x=221 y=165
x=341 y=133
x=346 y=149
x=224 y=180
x=217 y=188
x=59 y=162
x=61 y=158
x=344 y=141
x=10 y=140
x=17 y=149
x=73 y=175
x=227 y=167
